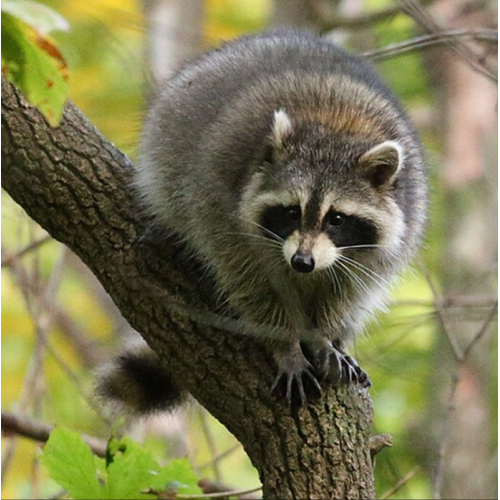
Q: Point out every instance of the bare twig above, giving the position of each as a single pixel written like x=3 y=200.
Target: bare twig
x=222 y=494
x=421 y=42
x=212 y=446
x=459 y=363
x=400 y=484
x=482 y=330
x=21 y=425
x=438 y=481
x=9 y=258
x=43 y=311
x=457 y=352
x=214 y=487
x=220 y=457
x=86 y=348
x=415 y=9
x=450 y=301
x=30 y=293
x=331 y=20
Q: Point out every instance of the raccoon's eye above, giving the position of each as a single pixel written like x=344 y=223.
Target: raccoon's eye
x=293 y=213
x=336 y=219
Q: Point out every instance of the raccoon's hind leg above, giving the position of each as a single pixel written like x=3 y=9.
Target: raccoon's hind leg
x=334 y=365
x=295 y=374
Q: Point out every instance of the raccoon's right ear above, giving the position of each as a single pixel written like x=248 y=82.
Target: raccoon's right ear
x=382 y=163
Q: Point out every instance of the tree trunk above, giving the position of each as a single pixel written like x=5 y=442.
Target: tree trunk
x=174 y=35
x=76 y=185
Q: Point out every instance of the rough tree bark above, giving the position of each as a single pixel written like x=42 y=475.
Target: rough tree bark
x=76 y=185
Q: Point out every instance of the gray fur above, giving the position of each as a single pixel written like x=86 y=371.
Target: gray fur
x=201 y=167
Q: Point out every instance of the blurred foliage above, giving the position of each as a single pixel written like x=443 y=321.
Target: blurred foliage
x=30 y=59
x=104 y=50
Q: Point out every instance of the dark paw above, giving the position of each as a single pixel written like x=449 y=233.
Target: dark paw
x=339 y=368
x=297 y=383
x=360 y=376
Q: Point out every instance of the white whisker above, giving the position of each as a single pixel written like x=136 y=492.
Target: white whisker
x=354 y=247
x=366 y=270
x=356 y=279
x=274 y=235
x=265 y=241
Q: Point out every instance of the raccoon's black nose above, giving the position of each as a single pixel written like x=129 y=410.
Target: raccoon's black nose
x=303 y=263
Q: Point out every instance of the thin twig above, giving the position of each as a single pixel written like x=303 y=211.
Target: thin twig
x=30 y=293
x=223 y=494
x=480 y=333
x=459 y=363
x=212 y=446
x=89 y=353
x=42 y=311
x=415 y=9
x=330 y=19
x=447 y=302
x=9 y=259
x=225 y=454
x=21 y=425
x=217 y=494
x=421 y=42
x=400 y=484
x=443 y=447
x=457 y=352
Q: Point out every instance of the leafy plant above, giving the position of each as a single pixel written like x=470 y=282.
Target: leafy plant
x=30 y=59
x=127 y=472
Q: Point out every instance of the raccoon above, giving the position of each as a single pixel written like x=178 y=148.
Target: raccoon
x=292 y=172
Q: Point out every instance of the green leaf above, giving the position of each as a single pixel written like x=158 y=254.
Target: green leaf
x=40 y=17
x=35 y=65
x=130 y=471
x=178 y=474
x=70 y=462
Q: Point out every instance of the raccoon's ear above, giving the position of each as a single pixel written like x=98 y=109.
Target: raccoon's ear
x=282 y=127
x=382 y=163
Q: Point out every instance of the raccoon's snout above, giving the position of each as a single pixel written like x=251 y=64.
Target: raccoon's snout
x=302 y=263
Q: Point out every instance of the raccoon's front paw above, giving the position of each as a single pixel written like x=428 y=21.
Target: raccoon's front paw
x=295 y=380
x=339 y=368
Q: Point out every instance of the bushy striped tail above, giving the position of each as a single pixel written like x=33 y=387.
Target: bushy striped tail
x=135 y=383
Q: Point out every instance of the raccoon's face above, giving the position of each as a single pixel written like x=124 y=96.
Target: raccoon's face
x=315 y=244
x=316 y=203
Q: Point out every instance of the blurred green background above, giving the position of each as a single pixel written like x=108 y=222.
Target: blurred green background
x=48 y=294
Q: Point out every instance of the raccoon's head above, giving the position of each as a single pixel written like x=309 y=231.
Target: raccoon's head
x=319 y=195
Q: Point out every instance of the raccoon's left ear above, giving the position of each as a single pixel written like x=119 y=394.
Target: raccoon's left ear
x=282 y=127
x=382 y=163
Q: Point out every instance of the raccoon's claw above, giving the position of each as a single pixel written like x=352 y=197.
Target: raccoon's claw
x=345 y=370
x=360 y=375
x=296 y=384
x=340 y=368
x=295 y=379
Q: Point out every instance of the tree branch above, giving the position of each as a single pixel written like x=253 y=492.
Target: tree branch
x=76 y=185
x=421 y=42
x=39 y=431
